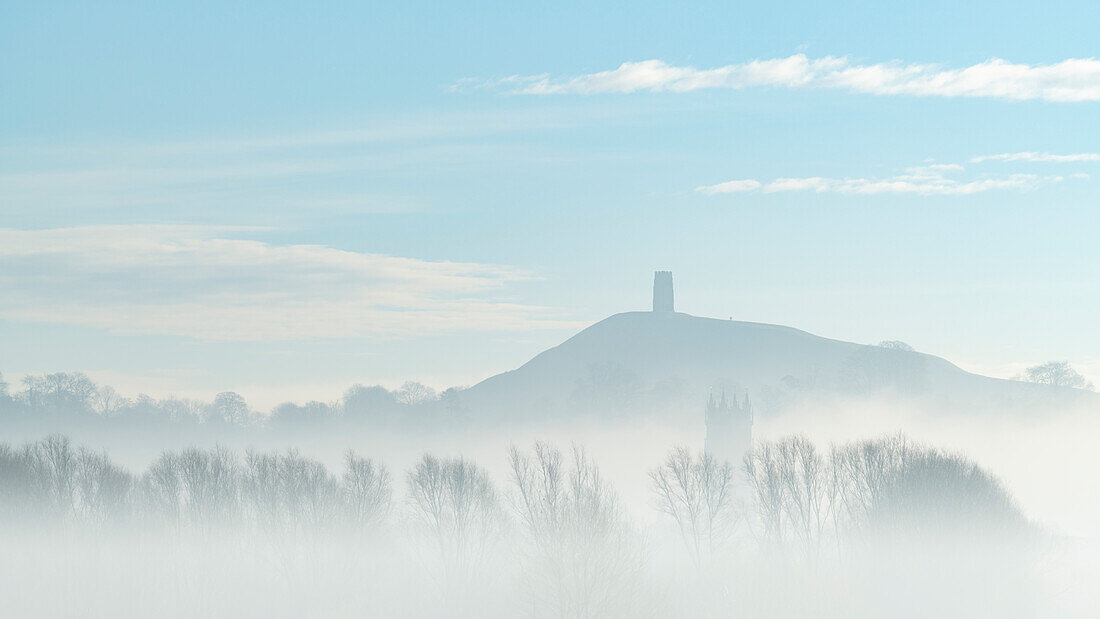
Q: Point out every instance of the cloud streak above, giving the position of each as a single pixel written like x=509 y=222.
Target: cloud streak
x=928 y=180
x=208 y=283
x=1071 y=80
x=742 y=186
x=1040 y=157
x=375 y=165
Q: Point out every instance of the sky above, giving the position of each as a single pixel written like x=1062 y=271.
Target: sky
x=286 y=199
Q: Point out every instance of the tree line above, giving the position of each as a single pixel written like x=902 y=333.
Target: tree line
x=62 y=398
x=787 y=492
x=555 y=516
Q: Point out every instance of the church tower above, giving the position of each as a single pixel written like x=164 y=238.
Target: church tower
x=662 y=291
x=729 y=429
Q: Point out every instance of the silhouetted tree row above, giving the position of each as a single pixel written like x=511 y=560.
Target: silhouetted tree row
x=556 y=521
x=64 y=398
x=70 y=400
x=195 y=490
x=788 y=493
x=872 y=490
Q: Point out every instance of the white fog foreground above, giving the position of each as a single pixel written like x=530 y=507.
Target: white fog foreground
x=881 y=527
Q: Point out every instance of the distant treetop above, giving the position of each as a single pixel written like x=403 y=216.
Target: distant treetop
x=1057 y=373
x=895 y=345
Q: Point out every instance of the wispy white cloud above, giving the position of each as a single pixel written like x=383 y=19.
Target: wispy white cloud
x=730 y=187
x=1074 y=79
x=934 y=179
x=210 y=283
x=935 y=169
x=351 y=136
x=1040 y=157
x=906 y=184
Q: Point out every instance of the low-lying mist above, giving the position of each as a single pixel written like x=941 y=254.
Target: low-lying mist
x=886 y=526
x=405 y=503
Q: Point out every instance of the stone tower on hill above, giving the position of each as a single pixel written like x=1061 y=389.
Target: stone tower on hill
x=662 y=291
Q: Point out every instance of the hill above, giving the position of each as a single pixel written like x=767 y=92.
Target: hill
x=667 y=363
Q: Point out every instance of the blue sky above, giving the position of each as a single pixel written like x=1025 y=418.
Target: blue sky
x=284 y=200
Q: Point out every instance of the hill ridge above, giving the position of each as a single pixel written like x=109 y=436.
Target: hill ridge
x=660 y=362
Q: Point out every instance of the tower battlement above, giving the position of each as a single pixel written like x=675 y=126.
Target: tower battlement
x=662 y=291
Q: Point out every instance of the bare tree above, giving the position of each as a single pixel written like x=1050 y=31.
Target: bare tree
x=895 y=345
x=107 y=401
x=697 y=492
x=58 y=481
x=60 y=390
x=860 y=474
x=229 y=408
x=210 y=483
x=1057 y=373
x=53 y=463
x=287 y=493
x=412 y=393
x=763 y=470
x=939 y=494
x=310 y=493
x=262 y=491
x=807 y=496
x=375 y=405
x=582 y=559
x=367 y=490
x=892 y=487
x=455 y=501
x=21 y=494
x=162 y=490
x=6 y=401
x=792 y=492
x=103 y=489
x=177 y=409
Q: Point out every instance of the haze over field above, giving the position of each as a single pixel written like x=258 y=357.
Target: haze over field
x=477 y=309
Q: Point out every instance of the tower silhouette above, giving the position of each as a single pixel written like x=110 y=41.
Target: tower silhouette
x=662 y=291
x=729 y=428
